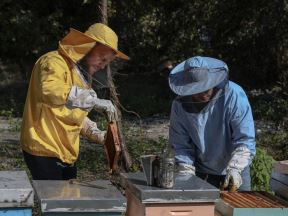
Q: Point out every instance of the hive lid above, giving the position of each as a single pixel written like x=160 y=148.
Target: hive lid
x=187 y=189
x=15 y=189
x=64 y=196
x=112 y=146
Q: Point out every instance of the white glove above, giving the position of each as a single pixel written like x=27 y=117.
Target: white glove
x=241 y=158
x=91 y=132
x=185 y=169
x=233 y=180
x=108 y=107
x=87 y=99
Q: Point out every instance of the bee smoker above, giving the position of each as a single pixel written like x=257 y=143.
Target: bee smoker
x=163 y=168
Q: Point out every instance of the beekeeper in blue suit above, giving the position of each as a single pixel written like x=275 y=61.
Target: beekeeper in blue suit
x=211 y=124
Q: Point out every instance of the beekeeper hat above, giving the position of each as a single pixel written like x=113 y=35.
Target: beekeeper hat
x=197 y=74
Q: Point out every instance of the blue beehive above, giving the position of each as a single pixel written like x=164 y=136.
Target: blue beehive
x=16 y=194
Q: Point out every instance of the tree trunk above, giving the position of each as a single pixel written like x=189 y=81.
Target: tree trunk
x=126 y=161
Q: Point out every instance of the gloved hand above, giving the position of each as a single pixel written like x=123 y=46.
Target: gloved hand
x=185 y=169
x=102 y=105
x=86 y=99
x=241 y=158
x=233 y=180
x=91 y=132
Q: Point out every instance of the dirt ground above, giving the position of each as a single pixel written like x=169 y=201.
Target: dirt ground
x=153 y=128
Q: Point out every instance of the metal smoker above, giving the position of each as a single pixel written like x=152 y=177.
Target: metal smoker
x=159 y=169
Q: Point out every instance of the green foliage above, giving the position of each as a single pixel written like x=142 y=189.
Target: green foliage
x=161 y=29
x=34 y=27
x=250 y=37
x=235 y=31
x=145 y=96
x=14 y=123
x=272 y=106
x=7 y=113
x=275 y=143
x=138 y=146
x=261 y=170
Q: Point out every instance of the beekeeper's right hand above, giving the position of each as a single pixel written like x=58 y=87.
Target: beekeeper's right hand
x=106 y=106
x=87 y=99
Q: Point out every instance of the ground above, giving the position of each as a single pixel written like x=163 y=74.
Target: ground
x=144 y=136
x=150 y=129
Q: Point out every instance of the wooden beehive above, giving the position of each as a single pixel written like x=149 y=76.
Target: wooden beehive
x=251 y=203
x=112 y=146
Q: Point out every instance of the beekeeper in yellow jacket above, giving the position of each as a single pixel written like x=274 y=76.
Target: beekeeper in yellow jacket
x=59 y=99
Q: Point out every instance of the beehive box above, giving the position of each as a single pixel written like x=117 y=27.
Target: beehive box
x=16 y=194
x=74 y=198
x=190 y=196
x=251 y=204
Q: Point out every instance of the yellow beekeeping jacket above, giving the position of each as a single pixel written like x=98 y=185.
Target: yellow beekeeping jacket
x=49 y=128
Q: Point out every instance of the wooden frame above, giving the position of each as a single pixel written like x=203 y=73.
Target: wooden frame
x=112 y=146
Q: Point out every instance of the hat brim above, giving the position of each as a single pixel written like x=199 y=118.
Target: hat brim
x=119 y=54
x=179 y=85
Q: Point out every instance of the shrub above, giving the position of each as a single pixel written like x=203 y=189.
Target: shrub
x=261 y=170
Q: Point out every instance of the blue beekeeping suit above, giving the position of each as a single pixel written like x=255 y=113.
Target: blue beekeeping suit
x=215 y=136
x=208 y=138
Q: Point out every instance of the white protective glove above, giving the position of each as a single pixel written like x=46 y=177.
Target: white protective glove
x=185 y=169
x=91 y=132
x=233 y=180
x=241 y=158
x=87 y=99
x=106 y=106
